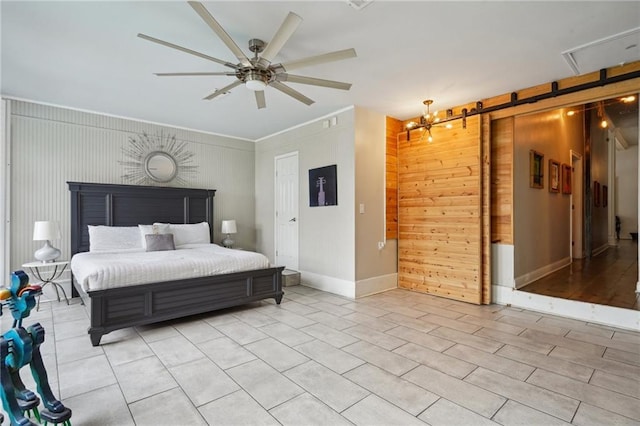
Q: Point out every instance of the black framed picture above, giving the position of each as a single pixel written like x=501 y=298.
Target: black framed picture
x=323 y=186
x=554 y=176
x=536 y=169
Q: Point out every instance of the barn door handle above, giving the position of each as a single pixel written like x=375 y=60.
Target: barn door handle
x=292 y=220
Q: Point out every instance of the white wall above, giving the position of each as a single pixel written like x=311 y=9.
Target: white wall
x=376 y=268
x=326 y=236
x=542 y=218
x=626 y=197
x=50 y=146
x=600 y=173
x=338 y=246
x=5 y=246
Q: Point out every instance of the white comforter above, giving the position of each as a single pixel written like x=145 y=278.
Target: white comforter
x=99 y=271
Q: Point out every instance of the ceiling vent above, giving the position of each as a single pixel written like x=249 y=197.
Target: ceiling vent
x=359 y=4
x=617 y=49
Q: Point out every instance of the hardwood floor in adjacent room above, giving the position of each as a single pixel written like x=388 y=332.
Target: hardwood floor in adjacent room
x=607 y=279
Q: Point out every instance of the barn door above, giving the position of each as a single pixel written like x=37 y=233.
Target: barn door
x=443 y=211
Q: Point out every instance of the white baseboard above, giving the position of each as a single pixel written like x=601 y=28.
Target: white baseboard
x=349 y=289
x=376 y=285
x=502 y=265
x=600 y=249
x=330 y=284
x=532 y=276
x=501 y=295
x=583 y=311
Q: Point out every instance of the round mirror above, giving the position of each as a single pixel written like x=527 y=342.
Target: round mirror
x=160 y=166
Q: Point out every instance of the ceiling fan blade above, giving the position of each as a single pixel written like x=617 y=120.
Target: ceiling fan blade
x=319 y=59
x=224 y=90
x=217 y=28
x=293 y=93
x=286 y=30
x=191 y=74
x=184 y=49
x=260 y=101
x=313 y=81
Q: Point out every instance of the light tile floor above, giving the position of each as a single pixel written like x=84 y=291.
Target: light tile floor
x=396 y=358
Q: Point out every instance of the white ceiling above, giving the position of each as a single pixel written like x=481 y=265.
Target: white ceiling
x=86 y=55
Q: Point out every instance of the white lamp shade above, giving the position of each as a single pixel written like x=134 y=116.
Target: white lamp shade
x=229 y=227
x=46 y=230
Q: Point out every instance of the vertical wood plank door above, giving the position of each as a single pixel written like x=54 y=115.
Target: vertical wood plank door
x=440 y=214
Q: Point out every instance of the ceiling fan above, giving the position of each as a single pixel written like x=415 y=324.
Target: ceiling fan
x=258 y=73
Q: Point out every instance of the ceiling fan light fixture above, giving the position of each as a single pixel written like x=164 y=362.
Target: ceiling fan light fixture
x=255 y=85
x=258 y=72
x=256 y=81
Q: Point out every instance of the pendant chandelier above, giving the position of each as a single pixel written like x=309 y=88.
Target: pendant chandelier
x=427 y=121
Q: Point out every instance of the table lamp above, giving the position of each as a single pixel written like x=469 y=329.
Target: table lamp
x=46 y=231
x=228 y=227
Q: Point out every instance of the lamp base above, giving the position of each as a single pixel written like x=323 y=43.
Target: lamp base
x=47 y=253
x=228 y=242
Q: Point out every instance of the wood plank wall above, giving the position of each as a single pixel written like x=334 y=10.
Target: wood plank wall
x=485 y=179
x=391 y=186
x=425 y=239
x=502 y=181
x=439 y=214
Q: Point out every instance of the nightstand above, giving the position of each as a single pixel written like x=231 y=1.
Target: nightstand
x=48 y=273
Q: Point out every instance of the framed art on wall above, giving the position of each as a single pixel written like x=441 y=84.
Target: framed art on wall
x=536 y=169
x=323 y=186
x=554 y=176
x=566 y=178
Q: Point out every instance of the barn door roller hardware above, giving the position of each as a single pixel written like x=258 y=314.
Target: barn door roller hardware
x=555 y=91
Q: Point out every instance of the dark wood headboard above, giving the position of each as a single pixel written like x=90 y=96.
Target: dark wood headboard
x=130 y=205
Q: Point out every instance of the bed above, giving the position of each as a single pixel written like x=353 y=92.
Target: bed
x=118 y=306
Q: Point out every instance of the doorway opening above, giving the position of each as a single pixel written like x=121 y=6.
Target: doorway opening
x=610 y=276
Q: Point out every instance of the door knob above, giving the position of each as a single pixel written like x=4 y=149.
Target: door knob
x=292 y=220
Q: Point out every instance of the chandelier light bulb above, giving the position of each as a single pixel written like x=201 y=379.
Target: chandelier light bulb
x=428 y=120
x=603 y=124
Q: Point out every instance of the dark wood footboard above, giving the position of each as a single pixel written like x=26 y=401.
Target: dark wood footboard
x=117 y=308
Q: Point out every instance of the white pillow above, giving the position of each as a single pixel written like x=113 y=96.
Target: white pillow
x=156 y=228
x=197 y=233
x=114 y=238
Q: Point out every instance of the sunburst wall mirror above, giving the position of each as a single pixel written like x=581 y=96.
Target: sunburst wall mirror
x=153 y=159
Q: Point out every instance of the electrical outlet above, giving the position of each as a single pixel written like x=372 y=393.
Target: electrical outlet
x=381 y=245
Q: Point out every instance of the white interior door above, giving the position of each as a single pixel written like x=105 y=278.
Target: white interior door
x=286 y=203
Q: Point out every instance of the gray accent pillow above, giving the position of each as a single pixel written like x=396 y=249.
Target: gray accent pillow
x=159 y=242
